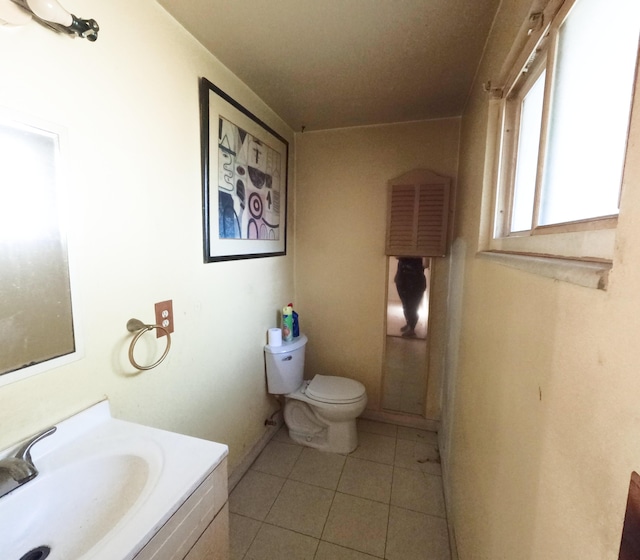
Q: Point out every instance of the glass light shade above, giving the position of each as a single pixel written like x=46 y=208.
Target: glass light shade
x=50 y=10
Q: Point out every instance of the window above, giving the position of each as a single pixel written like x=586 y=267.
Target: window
x=564 y=112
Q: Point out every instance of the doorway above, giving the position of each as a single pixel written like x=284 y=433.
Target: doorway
x=406 y=345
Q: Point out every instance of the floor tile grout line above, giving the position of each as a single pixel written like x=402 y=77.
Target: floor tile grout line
x=393 y=472
x=254 y=536
x=396 y=438
x=333 y=498
x=288 y=477
x=319 y=539
x=410 y=509
x=275 y=500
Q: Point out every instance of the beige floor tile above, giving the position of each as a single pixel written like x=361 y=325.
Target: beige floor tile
x=282 y=435
x=366 y=479
x=318 y=468
x=374 y=447
x=417 y=491
x=392 y=465
x=275 y=543
x=414 y=434
x=302 y=508
x=277 y=458
x=254 y=495
x=434 y=469
x=329 y=551
x=373 y=427
x=416 y=536
x=242 y=531
x=358 y=524
x=417 y=456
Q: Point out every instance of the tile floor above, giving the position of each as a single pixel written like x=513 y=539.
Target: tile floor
x=384 y=500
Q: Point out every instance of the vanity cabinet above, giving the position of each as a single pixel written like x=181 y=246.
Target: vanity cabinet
x=199 y=529
x=213 y=544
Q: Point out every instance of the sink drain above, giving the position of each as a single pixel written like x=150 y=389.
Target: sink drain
x=39 y=553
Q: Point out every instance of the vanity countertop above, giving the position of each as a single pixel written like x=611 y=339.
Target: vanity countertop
x=105 y=487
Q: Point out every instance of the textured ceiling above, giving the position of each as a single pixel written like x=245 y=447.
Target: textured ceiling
x=337 y=63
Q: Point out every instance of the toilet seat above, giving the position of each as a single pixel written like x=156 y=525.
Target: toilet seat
x=334 y=390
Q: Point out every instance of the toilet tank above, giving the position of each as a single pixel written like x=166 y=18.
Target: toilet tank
x=285 y=366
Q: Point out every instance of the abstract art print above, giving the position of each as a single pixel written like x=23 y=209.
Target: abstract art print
x=244 y=178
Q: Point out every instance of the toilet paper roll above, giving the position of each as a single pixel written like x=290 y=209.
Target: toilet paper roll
x=275 y=337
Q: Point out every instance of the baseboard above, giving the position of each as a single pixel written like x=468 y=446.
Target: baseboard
x=453 y=543
x=400 y=419
x=243 y=466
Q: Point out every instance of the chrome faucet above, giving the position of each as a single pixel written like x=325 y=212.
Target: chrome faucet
x=19 y=469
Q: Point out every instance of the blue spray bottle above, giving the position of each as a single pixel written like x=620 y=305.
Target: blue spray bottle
x=296 y=325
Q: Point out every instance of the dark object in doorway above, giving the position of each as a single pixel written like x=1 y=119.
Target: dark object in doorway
x=411 y=284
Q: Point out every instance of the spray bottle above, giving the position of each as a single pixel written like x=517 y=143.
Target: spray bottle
x=296 y=325
x=287 y=323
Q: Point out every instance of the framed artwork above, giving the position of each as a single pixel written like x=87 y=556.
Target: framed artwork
x=244 y=181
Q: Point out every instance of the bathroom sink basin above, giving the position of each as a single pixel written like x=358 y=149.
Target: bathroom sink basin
x=94 y=495
x=104 y=488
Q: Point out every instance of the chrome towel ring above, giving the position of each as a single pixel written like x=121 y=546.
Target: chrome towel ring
x=135 y=325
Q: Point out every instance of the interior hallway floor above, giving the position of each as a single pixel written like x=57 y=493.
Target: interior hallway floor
x=384 y=500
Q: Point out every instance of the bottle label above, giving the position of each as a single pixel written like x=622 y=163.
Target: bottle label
x=287 y=328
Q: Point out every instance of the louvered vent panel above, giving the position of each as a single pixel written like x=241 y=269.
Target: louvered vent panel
x=402 y=214
x=431 y=227
x=417 y=218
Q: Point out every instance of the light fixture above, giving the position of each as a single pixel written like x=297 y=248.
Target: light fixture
x=50 y=13
x=12 y=14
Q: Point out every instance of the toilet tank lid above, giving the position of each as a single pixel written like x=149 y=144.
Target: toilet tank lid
x=329 y=388
x=297 y=343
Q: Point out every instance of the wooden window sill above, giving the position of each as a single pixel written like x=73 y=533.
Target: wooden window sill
x=589 y=274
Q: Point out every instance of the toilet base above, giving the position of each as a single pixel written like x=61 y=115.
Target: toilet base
x=307 y=428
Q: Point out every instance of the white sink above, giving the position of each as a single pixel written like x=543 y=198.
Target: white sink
x=104 y=488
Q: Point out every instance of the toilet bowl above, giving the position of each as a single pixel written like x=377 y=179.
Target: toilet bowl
x=328 y=426
x=319 y=413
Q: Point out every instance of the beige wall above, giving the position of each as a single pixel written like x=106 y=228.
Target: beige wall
x=129 y=103
x=541 y=417
x=340 y=259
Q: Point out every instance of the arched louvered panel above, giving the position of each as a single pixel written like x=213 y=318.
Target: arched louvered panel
x=402 y=215
x=418 y=214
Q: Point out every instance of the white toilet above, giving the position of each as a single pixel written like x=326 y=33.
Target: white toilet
x=320 y=413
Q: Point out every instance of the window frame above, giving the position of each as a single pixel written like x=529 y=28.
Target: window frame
x=586 y=239
x=512 y=118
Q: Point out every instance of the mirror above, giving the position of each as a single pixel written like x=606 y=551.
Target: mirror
x=406 y=347
x=36 y=313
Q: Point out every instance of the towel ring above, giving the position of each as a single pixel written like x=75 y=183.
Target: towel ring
x=134 y=325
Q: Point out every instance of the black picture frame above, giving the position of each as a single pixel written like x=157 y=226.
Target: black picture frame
x=244 y=180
